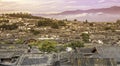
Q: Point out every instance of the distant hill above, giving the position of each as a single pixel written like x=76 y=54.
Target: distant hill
x=21 y=15
x=110 y=10
x=110 y=14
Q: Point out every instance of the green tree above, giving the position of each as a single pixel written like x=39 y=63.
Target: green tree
x=22 y=15
x=75 y=20
x=36 y=43
x=9 y=27
x=108 y=28
x=91 y=24
x=19 y=41
x=4 y=20
x=118 y=21
x=35 y=32
x=48 y=46
x=61 y=23
x=85 y=37
x=75 y=44
x=86 y=21
x=44 y=22
x=55 y=26
x=65 y=19
x=11 y=47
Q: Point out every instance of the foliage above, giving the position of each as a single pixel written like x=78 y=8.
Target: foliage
x=44 y=22
x=9 y=27
x=61 y=48
x=22 y=15
x=4 y=20
x=75 y=44
x=75 y=20
x=108 y=28
x=2 y=42
x=35 y=32
x=19 y=41
x=55 y=26
x=91 y=24
x=85 y=37
x=61 y=23
x=47 y=46
x=50 y=23
x=118 y=21
x=86 y=21
x=65 y=20
x=34 y=43
x=11 y=47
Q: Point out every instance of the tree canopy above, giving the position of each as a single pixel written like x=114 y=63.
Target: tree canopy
x=51 y=23
x=9 y=27
x=85 y=37
x=75 y=44
x=47 y=46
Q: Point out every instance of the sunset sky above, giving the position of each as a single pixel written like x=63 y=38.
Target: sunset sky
x=53 y=6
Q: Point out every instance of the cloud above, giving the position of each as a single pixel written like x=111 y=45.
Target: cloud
x=81 y=15
x=10 y=0
x=71 y=2
x=99 y=13
x=25 y=5
x=101 y=1
x=48 y=6
x=87 y=14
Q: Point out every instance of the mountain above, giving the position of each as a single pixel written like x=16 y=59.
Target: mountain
x=110 y=14
x=110 y=10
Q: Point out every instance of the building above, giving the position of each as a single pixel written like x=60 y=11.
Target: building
x=35 y=60
x=108 y=52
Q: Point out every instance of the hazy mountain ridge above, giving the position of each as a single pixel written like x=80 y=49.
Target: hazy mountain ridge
x=110 y=14
x=110 y=10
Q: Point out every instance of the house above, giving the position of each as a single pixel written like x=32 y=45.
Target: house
x=85 y=57
x=84 y=52
x=94 y=62
x=8 y=58
x=36 y=60
x=14 y=47
x=101 y=52
x=108 y=52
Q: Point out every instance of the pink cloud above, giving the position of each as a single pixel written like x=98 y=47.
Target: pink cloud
x=45 y=6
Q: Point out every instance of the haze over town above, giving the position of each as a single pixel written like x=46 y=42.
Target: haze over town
x=59 y=32
x=43 y=7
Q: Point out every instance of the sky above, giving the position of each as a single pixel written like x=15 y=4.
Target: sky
x=53 y=6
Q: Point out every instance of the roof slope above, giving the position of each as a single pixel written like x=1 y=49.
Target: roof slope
x=109 y=52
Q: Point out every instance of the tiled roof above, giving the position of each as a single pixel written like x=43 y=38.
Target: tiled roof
x=9 y=54
x=6 y=54
x=34 y=60
x=7 y=46
x=109 y=52
x=85 y=50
